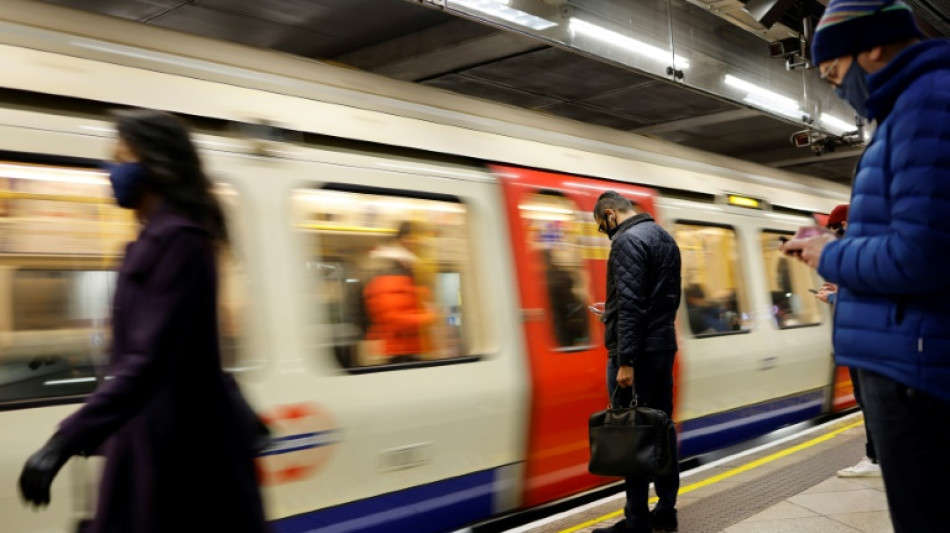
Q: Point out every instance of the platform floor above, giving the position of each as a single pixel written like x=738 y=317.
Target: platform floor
x=789 y=487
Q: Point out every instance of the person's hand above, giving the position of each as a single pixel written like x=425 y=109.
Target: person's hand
x=597 y=308
x=39 y=471
x=625 y=377
x=808 y=249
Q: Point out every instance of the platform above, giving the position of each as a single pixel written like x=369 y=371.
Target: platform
x=787 y=486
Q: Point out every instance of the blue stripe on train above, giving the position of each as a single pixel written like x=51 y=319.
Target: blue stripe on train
x=434 y=508
x=724 y=429
x=453 y=503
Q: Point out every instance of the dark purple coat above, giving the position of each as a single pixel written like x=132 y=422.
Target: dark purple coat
x=177 y=457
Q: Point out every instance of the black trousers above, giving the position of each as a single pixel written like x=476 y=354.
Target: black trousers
x=911 y=431
x=869 y=443
x=653 y=380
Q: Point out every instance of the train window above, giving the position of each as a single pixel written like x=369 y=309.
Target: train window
x=716 y=299
x=395 y=276
x=789 y=281
x=61 y=240
x=554 y=231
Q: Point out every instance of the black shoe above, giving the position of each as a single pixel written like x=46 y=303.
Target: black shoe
x=664 y=521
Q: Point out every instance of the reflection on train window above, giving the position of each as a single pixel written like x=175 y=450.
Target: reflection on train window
x=716 y=299
x=60 y=238
x=395 y=276
x=554 y=230
x=789 y=281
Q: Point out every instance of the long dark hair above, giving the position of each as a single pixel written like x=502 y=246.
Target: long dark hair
x=164 y=147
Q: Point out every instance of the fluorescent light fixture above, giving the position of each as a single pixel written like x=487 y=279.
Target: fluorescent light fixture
x=765 y=99
x=782 y=108
x=69 y=381
x=752 y=88
x=836 y=123
x=60 y=175
x=628 y=43
x=499 y=9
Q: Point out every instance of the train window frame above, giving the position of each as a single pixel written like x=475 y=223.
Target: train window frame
x=583 y=268
x=740 y=267
x=775 y=323
x=468 y=295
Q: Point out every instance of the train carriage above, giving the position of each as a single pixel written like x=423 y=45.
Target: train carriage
x=489 y=415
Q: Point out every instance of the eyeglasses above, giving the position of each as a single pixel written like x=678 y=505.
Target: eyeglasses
x=831 y=68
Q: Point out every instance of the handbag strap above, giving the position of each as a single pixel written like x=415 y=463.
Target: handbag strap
x=633 y=401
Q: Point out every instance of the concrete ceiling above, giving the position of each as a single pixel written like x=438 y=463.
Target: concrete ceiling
x=407 y=41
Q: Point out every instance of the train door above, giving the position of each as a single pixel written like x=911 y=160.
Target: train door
x=561 y=270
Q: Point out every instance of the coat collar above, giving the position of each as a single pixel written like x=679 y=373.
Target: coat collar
x=633 y=221
x=887 y=85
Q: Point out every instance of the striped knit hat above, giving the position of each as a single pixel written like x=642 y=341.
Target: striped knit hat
x=852 y=26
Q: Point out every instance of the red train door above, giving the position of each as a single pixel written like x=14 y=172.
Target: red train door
x=561 y=268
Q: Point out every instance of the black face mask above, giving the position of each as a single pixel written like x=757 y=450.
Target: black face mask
x=611 y=231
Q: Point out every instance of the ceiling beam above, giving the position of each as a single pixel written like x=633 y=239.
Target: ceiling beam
x=437 y=50
x=695 y=122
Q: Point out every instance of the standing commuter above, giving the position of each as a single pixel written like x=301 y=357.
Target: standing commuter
x=892 y=317
x=179 y=456
x=643 y=294
x=868 y=466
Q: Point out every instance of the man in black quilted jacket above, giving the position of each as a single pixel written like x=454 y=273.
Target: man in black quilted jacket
x=643 y=294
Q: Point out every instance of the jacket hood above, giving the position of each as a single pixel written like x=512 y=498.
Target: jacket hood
x=887 y=85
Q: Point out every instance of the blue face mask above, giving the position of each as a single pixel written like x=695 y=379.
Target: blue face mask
x=854 y=88
x=127 y=180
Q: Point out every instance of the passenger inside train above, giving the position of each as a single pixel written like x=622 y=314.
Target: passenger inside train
x=393 y=272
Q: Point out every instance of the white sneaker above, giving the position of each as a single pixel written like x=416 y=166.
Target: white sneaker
x=865 y=468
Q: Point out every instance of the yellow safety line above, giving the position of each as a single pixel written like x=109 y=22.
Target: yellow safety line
x=725 y=475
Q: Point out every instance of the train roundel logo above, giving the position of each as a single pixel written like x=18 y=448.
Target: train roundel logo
x=304 y=437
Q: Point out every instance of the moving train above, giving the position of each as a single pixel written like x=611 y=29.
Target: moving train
x=490 y=415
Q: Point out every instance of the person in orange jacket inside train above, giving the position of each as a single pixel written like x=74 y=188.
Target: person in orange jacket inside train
x=395 y=303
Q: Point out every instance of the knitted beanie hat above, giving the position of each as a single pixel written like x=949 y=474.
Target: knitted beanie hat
x=852 y=26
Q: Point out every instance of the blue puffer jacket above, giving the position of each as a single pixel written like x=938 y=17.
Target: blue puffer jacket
x=892 y=314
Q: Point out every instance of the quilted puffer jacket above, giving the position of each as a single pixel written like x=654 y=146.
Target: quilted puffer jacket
x=643 y=290
x=892 y=314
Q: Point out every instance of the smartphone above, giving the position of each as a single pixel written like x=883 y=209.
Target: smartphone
x=813 y=291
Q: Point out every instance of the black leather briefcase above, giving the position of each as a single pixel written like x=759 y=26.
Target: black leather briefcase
x=630 y=441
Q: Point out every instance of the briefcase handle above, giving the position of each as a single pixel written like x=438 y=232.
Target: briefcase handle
x=633 y=402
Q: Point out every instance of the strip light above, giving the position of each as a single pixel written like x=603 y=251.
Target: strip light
x=764 y=98
x=628 y=43
x=836 y=123
x=499 y=9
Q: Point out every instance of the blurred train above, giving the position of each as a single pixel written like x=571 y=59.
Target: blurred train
x=490 y=415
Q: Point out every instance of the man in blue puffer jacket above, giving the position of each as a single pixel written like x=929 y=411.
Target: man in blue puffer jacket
x=892 y=317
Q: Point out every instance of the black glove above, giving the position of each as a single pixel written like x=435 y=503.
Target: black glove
x=40 y=469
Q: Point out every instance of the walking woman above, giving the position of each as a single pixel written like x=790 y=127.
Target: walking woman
x=179 y=451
